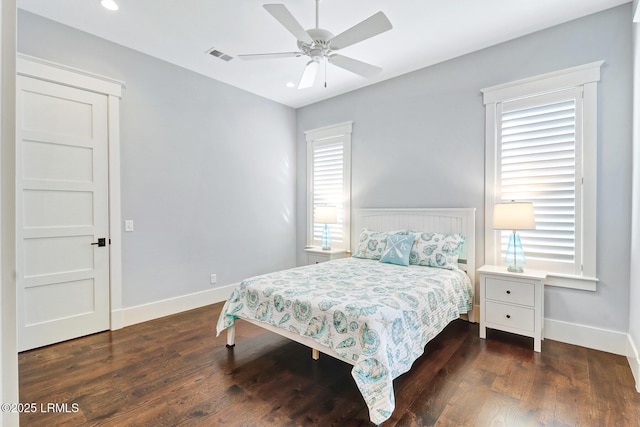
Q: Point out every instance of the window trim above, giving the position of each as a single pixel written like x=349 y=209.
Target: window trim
x=340 y=130
x=585 y=76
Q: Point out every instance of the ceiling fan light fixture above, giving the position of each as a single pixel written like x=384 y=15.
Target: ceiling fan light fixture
x=109 y=4
x=316 y=54
x=309 y=76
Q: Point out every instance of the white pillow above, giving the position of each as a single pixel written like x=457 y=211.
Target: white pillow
x=371 y=243
x=439 y=250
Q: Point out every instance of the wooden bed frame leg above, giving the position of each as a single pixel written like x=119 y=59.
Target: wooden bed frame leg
x=315 y=354
x=231 y=336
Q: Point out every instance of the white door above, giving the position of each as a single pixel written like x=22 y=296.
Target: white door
x=62 y=211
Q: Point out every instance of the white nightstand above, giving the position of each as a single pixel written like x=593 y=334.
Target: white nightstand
x=317 y=255
x=512 y=302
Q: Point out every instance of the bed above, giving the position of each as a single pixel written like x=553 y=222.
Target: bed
x=377 y=316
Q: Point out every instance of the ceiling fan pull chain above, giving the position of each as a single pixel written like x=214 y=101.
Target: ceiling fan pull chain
x=325 y=72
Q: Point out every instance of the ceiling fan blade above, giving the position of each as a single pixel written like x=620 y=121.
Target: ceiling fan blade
x=358 y=67
x=252 y=56
x=309 y=76
x=372 y=26
x=282 y=14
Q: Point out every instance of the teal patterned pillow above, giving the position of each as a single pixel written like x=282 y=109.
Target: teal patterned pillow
x=437 y=249
x=371 y=243
x=398 y=249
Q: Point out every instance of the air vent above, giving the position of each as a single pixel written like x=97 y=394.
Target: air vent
x=215 y=52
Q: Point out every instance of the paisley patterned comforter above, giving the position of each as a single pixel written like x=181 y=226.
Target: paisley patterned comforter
x=378 y=316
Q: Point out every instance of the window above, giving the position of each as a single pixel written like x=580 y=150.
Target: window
x=541 y=148
x=329 y=181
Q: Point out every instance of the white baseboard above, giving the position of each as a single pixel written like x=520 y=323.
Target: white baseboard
x=154 y=310
x=586 y=336
x=634 y=361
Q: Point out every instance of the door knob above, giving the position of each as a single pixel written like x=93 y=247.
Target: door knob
x=102 y=241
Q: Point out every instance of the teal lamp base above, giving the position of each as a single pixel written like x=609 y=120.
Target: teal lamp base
x=514 y=258
x=326 y=238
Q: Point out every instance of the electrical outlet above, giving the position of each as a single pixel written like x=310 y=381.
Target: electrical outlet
x=214 y=279
x=128 y=225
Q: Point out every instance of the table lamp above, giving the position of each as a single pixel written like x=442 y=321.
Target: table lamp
x=326 y=215
x=514 y=216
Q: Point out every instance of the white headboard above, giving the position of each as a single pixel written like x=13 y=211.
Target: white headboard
x=443 y=220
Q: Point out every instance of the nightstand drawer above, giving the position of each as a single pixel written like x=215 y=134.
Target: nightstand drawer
x=316 y=255
x=510 y=291
x=316 y=259
x=510 y=315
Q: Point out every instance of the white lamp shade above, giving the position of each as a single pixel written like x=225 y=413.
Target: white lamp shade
x=326 y=215
x=514 y=216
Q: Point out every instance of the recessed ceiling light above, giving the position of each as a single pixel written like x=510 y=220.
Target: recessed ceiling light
x=291 y=84
x=109 y=4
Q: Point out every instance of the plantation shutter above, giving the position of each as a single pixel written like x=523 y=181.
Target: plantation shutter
x=328 y=185
x=539 y=161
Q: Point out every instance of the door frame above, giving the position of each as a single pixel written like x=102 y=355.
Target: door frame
x=41 y=69
x=8 y=320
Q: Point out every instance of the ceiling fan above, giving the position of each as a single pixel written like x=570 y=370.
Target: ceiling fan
x=319 y=44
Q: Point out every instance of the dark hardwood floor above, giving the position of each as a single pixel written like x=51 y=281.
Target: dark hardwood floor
x=175 y=372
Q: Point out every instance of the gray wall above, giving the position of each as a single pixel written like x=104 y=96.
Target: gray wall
x=418 y=141
x=208 y=170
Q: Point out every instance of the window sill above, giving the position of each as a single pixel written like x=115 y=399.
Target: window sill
x=572 y=282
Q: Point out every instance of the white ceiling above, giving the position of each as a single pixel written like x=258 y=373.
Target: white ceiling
x=425 y=32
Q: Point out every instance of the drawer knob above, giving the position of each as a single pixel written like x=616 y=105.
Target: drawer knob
x=508 y=316
x=509 y=292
